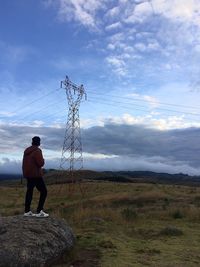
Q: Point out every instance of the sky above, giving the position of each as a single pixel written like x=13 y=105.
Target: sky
x=138 y=61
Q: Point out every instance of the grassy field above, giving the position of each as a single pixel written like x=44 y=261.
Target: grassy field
x=122 y=225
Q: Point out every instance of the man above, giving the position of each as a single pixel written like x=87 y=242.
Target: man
x=33 y=162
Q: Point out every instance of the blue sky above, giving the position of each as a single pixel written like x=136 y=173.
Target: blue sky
x=139 y=63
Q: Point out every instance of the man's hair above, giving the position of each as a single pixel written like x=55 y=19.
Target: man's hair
x=36 y=140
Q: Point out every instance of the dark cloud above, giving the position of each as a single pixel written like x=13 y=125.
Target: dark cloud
x=18 y=137
x=130 y=140
x=155 y=164
x=135 y=146
x=9 y=166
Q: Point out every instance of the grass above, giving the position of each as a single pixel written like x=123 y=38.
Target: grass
x=122 y=225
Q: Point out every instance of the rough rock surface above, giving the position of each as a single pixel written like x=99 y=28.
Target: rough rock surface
x=31 y=241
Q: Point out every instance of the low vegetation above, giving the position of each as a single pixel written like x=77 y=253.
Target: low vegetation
x=122 y=224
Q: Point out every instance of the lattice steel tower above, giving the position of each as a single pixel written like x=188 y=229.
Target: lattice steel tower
x=72 y=158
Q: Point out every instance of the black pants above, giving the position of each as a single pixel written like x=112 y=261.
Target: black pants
x=40 y=185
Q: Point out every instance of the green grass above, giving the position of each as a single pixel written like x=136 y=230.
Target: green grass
x=122 y=225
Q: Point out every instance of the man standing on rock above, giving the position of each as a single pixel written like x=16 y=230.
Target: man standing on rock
x=33 y=162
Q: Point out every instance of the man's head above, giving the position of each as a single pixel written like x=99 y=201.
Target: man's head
x=36 y=141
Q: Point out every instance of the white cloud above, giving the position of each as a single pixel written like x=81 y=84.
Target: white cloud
x=141 y=12
x=140 y=47
x=151 y=120
x=117 y=37
x=37 y=123
x=164 y=28
x=114 y=26
x=97 y=156
x=154 y=45
x=152 y=101
x=113 y=12
x=117 y=64
x=111 y=46
x=6 y=114
x=86 y=123
x=181 y=10
x=82 y=11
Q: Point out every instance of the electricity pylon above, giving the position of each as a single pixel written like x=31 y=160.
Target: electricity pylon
x=72 y=159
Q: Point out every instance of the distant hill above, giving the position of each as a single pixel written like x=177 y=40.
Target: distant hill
x=54 y=176
x=10 y=176
x=166 y=178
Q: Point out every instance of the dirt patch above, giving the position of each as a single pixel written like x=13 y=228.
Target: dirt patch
x=81 y=258
x=87 y=258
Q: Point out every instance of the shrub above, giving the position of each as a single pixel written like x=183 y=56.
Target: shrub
x=129 y=214
x=149 y=251
x=196 y=201
x=171 y=231
x=177 y=214
x=166 y=203
x=107 y=244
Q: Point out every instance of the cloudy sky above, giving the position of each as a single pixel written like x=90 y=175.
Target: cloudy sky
x=139 y=63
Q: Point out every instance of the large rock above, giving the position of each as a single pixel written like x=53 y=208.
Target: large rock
x=31 y=241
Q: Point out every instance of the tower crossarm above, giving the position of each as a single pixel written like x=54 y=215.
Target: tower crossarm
x=74 y=92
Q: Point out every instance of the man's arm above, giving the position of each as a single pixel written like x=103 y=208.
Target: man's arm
x=39 y=158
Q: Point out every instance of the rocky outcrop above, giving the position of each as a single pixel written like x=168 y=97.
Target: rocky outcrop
x=31 y=241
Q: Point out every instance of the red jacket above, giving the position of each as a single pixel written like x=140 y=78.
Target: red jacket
x=32 y=162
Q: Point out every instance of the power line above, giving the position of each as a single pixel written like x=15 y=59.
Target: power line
x=38 y=110
x=143 y=100
x=111 y=103
x=121 y=97
x=52 y=104
x=44 y=107
x=107 y=103
x=126 y=103
x=33 y=101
